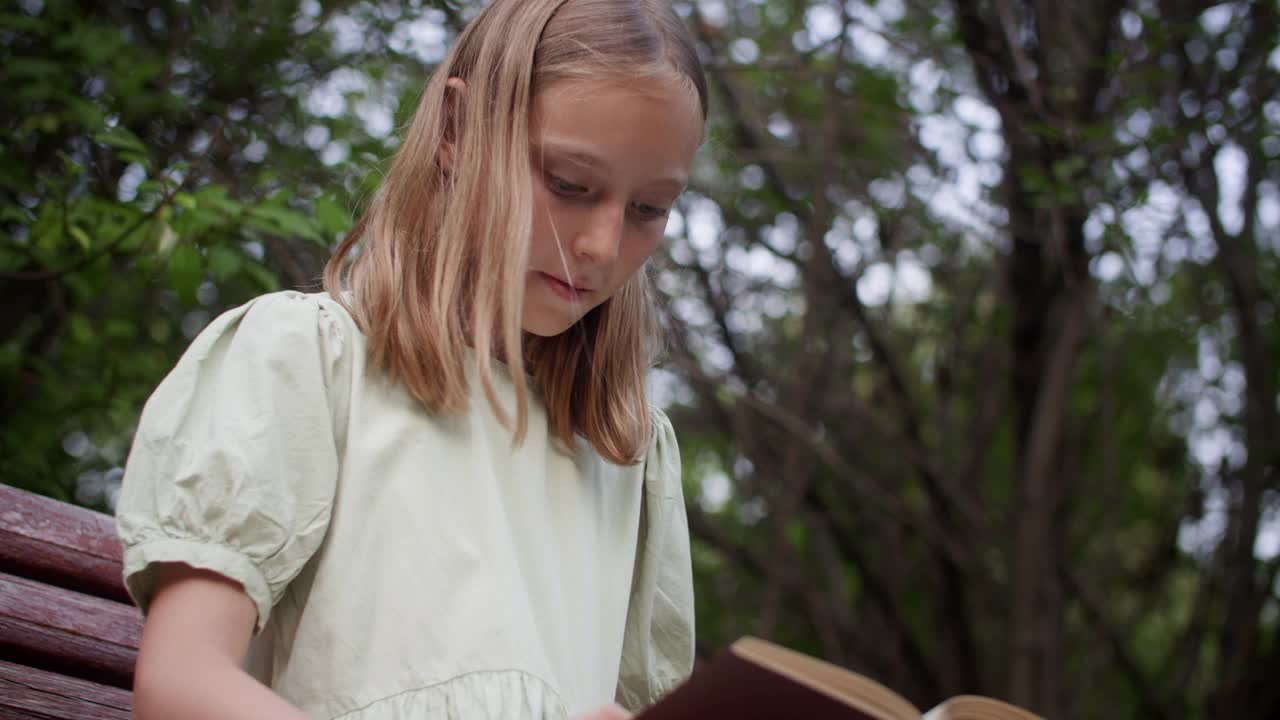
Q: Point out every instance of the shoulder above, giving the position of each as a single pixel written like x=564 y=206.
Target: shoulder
x=275 y=343
x=286 y=324
x=289 y=311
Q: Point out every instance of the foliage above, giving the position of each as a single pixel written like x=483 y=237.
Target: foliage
x=971 y=306
x=961 y=333
x=158 y=164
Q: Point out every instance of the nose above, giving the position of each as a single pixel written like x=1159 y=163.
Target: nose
x=598 y=239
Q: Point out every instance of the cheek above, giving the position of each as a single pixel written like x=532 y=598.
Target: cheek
x=543 y=226
x=635 y=252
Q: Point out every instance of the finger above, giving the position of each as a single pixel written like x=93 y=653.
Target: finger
x=611 y=712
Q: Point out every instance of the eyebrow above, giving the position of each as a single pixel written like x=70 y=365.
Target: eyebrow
x=584 y=158
x=569 y=151
x=580 y=157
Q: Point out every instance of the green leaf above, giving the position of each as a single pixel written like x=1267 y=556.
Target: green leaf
x=81 y=237
x=21 y=22
x=81 y=328
x=32 y=68
x=14 y=214
x=332 y=216
x=797 y=534
x=265 y=281
x=216 y=197
x=1066 y=168
x=119 y=328
x=159 y=330
x=44 y=122
x=133 y=156
x=121 y=138
x=69 y=165
x=186 y=270
x=223 y=262
x=284 y=221
x=152 y=186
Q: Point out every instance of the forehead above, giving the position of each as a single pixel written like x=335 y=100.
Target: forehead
x=645 y=125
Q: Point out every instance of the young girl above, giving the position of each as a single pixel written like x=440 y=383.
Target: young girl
x=438 y=491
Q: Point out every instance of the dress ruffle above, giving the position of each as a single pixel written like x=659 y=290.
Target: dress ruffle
x=506 y=694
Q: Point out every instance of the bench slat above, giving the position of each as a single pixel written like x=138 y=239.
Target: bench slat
x=60 y=544
x=31 y=694
x=68 y=632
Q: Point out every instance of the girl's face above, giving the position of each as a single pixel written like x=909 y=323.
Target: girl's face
x=608 y=160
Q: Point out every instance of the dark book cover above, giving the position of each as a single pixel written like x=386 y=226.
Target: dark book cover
x=731 y=686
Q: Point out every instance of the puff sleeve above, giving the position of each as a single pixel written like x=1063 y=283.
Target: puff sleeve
x=234 y=465
x=658 y=643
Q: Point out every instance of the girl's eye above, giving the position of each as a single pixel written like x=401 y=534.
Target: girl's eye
x=560 y=186
x=649 y=212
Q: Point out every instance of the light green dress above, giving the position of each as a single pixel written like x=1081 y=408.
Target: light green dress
x=406 y=565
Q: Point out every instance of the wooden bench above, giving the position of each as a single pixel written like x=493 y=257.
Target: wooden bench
x=68 y=633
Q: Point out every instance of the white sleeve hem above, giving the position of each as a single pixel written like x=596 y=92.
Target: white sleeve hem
x=141 y=558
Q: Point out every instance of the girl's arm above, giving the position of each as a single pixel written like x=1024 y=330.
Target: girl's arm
x=194 y=642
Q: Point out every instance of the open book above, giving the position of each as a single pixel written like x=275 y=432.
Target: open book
x=757 y=680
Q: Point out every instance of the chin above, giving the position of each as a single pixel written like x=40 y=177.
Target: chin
x=546 y=327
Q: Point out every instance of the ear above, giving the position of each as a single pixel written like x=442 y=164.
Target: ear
x=454 y=88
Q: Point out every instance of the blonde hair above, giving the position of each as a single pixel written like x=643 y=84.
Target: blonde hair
x=442 y=255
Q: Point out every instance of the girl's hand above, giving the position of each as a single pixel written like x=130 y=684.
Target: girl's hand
x=613 y=711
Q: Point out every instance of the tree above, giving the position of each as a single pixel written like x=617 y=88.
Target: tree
x=985 y=489
x=161 y=162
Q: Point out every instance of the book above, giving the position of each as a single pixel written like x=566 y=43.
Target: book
x=754 y=679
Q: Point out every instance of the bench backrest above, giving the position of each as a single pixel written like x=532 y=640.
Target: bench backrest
x=68 y=633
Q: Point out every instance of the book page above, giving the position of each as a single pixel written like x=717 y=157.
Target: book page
x=973 y=707
x=857 y=691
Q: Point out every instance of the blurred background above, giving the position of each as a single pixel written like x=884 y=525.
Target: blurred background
x=970 y=306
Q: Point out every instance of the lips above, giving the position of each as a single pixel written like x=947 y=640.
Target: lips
x=562 y=288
